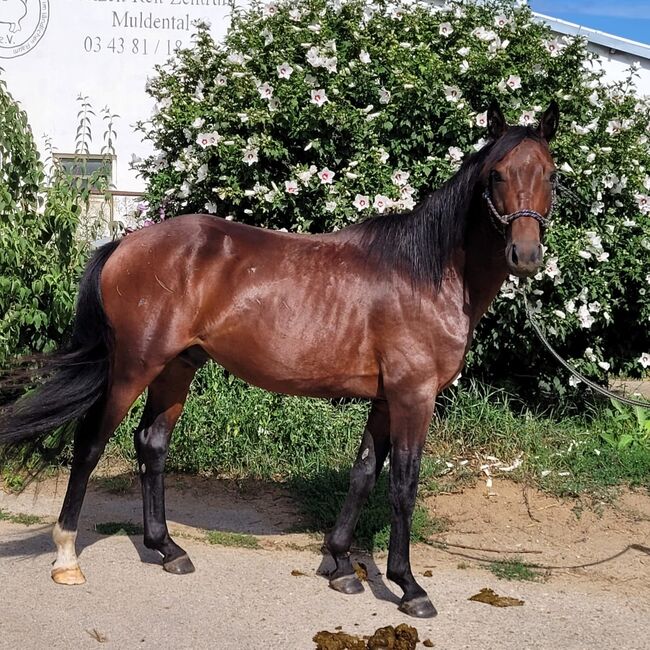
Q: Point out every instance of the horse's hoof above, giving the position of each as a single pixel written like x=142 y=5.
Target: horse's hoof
x=419 y=607
x=179 y=566
x=68 y=576
x=349 y=584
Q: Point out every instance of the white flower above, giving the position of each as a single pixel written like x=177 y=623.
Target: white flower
x=364 y=57
x=604 y=365
x=381 y=203
x=452 y=93
x=501 y=21
x=291 y=187
x=265 y=90
x=464 y=67
x=614 y=127
x=455 y=154
x=484 y=34
x=400 y=177
x=326 y=176
x=211 y=207
x=284 y=71
x=250 y=155
x=243 y=117
x=295 y=14
x=208 y=139
x=269 y=10
x=236 y=58
x=305 y=176
x=330 y=64
x=384 y=96
x=513 y=82
x=551 y=269
x=383 y=156
x=480 y=144
x=318 y=97
x=221 y=80
x=481 y=119
x=274 y=104
x=202 y=173
x=589 y=354
x=198 y=123
x=464 y=51
x=559 y=313
x=314 y=28
x=361 y=202
x=573 y=382
x=527 y=118
x=554 y=47
x=585 y=318
x=268 y=36
x=330 y=206
x=445 y=29
x=644 y=360
x=643 y=201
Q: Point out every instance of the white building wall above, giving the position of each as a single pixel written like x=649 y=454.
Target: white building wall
x=106 y=49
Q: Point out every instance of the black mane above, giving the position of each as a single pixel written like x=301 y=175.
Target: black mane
x=420 y=242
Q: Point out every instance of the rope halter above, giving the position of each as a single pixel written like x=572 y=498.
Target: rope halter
x=502 y=221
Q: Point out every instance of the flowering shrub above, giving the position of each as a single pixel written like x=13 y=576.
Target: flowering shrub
x=313 y=114
x=39 y=257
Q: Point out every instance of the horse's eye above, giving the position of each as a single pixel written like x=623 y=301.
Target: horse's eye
x=495 y=177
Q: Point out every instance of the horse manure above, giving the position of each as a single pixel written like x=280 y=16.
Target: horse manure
x=361 y=570
x=338 y=641
x=488 y=596
x=295 y=572
x=402 y=637
x=427 y=643
x=428 y=573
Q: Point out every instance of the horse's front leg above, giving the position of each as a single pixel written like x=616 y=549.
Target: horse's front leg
x=363 y=476
x=409 y=422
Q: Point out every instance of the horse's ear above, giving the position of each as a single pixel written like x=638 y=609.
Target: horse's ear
x=549 y=121
x=496 y=123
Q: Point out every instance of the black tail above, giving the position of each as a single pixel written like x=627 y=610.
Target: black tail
x=69 y=381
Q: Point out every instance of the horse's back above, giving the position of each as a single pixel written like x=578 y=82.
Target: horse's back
x=291 y=313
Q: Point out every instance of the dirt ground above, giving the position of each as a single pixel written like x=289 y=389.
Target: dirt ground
x=593 y=590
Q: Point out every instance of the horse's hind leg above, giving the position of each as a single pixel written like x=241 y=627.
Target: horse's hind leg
x=365 y=471
x=165 y=401
x=90 y=439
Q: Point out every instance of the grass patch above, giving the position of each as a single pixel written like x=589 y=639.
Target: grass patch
x=243 y=431
x=119 y=528
x=565 y=455
x=321 y=497
x=26 y=520
x=240 y=540
x=514 y=569
x=120 y=484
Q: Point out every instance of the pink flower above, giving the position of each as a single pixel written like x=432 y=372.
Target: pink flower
x=318 y=97
x=326 y=176
x=361 y=202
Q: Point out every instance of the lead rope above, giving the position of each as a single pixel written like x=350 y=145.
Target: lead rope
x=569 y=367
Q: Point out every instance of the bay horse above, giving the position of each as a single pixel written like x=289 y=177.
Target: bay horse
x=383 y=310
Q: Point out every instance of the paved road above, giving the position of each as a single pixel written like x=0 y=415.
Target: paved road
x=241 y=599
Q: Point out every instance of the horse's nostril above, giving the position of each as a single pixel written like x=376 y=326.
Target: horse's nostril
x=513 y=255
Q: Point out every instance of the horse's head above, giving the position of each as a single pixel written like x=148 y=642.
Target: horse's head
x=519 y=179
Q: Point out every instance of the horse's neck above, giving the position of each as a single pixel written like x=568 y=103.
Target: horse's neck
x=485 y=267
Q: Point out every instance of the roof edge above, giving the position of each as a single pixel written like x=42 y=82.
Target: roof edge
x=596 y=36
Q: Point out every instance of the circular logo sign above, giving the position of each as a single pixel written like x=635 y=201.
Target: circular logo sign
x=22 y=25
